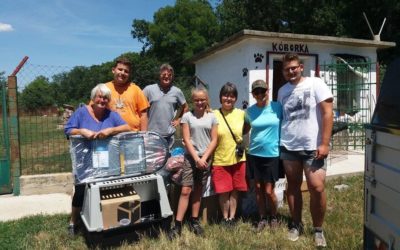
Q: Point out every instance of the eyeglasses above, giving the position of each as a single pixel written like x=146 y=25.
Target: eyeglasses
x=259 y=91
x=102 y=97
x=166 y=75
x=289 y=69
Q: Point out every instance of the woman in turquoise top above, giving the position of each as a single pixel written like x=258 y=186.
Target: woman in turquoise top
x=263 y=160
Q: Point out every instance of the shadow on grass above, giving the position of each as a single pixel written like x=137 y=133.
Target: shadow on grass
x=125 y=235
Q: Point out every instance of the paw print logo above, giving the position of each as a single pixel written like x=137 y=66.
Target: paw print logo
x=245 y=104
x=245 y=72
x=258 y=57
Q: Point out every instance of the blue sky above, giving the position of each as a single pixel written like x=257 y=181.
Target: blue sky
x=69 y=32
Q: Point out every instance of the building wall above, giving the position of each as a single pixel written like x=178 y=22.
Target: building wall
x=246 y=61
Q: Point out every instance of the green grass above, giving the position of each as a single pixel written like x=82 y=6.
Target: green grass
x=343 y=229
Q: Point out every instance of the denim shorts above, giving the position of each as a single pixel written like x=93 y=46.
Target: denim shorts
x=307 y=157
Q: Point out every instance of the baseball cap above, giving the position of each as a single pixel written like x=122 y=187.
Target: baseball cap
x=258 y=84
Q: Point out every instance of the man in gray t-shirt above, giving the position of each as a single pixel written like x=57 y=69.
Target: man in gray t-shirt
x=167 y=104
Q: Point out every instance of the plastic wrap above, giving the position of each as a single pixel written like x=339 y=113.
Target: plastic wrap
x=175 y=164
x=123 y=155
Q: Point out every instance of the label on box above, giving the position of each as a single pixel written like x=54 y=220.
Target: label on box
x=100 y=154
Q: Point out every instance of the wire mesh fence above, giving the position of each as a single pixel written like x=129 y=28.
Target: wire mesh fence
x=43 y=145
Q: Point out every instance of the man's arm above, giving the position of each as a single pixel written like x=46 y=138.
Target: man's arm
x=326 y=108
x=177 y=119
x=144 y=120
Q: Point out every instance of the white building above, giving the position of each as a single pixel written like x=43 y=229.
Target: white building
x=250 y=55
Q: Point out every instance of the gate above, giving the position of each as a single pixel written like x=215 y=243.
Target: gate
x=5 y=177
x=353 y=84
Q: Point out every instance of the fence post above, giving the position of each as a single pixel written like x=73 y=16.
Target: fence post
x=15 y=157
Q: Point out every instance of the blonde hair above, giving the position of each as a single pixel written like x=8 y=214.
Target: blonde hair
x=205 y=92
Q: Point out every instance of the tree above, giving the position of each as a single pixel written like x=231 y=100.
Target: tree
x=38 y=94
x=318 y=17
x=178 y=32
x=2 y=78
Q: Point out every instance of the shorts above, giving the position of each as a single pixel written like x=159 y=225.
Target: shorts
x=265 y=169
x=307 y=157
x=229 y=178
x=191 y=174
x=79 y=194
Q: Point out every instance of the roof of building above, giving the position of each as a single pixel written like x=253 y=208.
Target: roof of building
x=247 y=34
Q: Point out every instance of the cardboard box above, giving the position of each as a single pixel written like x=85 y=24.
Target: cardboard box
x=119 y=209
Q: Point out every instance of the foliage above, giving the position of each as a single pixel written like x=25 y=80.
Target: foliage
x=74 y=87
x=376 y=11
x=38 y=94
x=2 y=77
x=178 y=32
x=140 y=31
x=327 y=17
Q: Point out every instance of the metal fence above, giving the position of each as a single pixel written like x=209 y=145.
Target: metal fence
x=353 y=85
x=5 y=176
x=43 y=145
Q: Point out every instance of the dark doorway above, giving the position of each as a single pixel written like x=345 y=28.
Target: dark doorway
x=277 y=79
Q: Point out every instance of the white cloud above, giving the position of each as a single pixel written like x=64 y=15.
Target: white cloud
x=4 y=27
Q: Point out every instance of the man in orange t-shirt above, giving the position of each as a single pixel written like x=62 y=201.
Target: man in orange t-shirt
x=127 y=98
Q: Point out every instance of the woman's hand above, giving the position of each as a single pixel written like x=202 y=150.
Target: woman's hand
x=202 y=164
x=89 y=134
x=104 y=133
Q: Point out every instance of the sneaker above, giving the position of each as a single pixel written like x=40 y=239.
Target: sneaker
x=273 y=223
x=319 y=239
x=195 y=227
x=293 y=234
x=174 y=232
x=71 y=230
x=225 y=222
x=228 y=223
x=261 y=225
x=233 y=222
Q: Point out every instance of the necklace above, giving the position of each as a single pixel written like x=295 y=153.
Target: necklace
x=119 y=104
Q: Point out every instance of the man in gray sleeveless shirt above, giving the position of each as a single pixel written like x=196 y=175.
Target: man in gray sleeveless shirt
x=167 y=104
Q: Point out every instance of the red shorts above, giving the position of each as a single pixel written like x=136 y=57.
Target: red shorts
x=229 y=178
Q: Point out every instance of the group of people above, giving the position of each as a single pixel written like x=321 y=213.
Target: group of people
x=294 y=130
x=121 y=106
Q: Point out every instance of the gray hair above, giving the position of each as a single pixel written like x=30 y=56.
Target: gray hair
x=103 y=89
x=166 y=66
